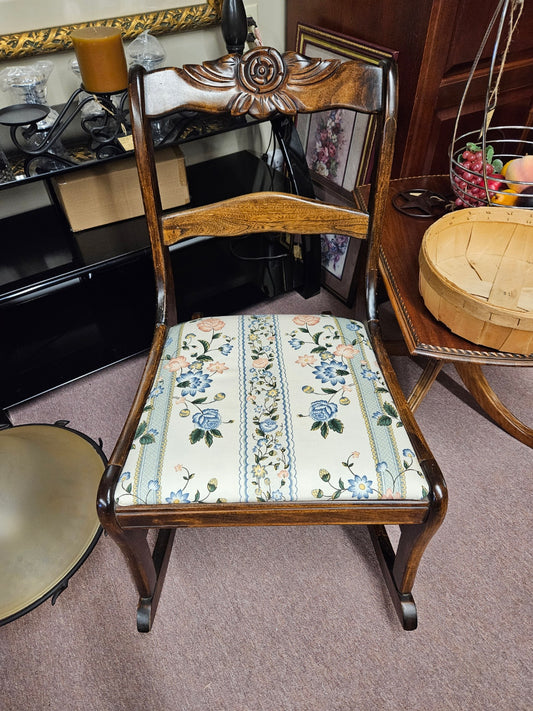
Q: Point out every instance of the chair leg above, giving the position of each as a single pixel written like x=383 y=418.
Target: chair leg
x=147 y=569
x=400 y=568
x=147 y=606
x=403 y=601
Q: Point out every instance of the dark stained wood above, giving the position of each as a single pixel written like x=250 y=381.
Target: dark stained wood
x=437 y=42
x=397 y=25
x=424 y=382
x=423 y=334
x=147 y=606
x=293 y=83
x=403 y=602
x=286 y=514
x=236 y=85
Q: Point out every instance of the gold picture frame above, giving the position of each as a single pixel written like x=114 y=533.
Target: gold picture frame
x=57 y=39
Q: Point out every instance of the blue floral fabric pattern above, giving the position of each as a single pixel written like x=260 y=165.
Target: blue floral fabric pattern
x=269 y=408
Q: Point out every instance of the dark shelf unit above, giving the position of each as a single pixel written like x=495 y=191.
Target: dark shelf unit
x=73 y=303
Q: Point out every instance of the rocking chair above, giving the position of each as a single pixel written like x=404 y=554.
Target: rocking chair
x=268 y=419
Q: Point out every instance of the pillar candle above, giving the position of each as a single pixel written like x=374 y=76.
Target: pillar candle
x=101 y=59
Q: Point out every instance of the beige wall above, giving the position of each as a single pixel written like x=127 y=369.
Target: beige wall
x=180 y=48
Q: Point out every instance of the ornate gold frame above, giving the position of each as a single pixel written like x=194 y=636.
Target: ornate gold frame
x=57 y=39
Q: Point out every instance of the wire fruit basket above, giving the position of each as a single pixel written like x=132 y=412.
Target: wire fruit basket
x=487 y=183
x=493 y=165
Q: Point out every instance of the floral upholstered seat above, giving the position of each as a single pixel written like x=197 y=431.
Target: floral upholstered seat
x=269 y=408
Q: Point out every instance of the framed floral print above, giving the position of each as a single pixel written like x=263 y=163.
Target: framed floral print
x=339 y=254
x=338 y=146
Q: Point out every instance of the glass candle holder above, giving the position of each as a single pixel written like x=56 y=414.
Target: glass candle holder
x=147 y=51
x=28 y=85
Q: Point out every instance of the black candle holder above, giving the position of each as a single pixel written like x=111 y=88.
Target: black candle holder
x=39 y=145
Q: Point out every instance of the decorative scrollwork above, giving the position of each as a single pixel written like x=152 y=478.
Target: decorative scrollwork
x=270 y=82
x=261 y=82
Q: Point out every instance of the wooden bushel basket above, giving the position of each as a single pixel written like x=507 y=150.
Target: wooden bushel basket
x=476 y=276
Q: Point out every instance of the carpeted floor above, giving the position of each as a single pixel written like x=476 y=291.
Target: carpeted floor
x=299 y=619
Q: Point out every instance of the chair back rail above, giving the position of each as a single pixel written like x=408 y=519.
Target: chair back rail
x=279 y=212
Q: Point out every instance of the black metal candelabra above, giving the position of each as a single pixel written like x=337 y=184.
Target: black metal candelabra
x=41 y=145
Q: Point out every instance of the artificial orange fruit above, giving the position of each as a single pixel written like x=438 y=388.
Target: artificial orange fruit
x=504 y=197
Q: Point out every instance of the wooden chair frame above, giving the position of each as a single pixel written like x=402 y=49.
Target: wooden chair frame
x=296 y=84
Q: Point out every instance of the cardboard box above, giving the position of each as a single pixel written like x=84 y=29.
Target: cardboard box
x=101 y=194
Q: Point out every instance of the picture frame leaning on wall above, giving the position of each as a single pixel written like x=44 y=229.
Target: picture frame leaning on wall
x=338 y=146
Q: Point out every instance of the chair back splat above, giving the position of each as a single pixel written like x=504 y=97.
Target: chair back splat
x=268 y=419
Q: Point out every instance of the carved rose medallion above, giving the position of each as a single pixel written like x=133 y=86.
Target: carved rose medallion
x=261 y=71
x=262 y=82
x=269 y=81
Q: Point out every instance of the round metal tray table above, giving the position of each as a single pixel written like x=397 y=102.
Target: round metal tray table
x=49 y=476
